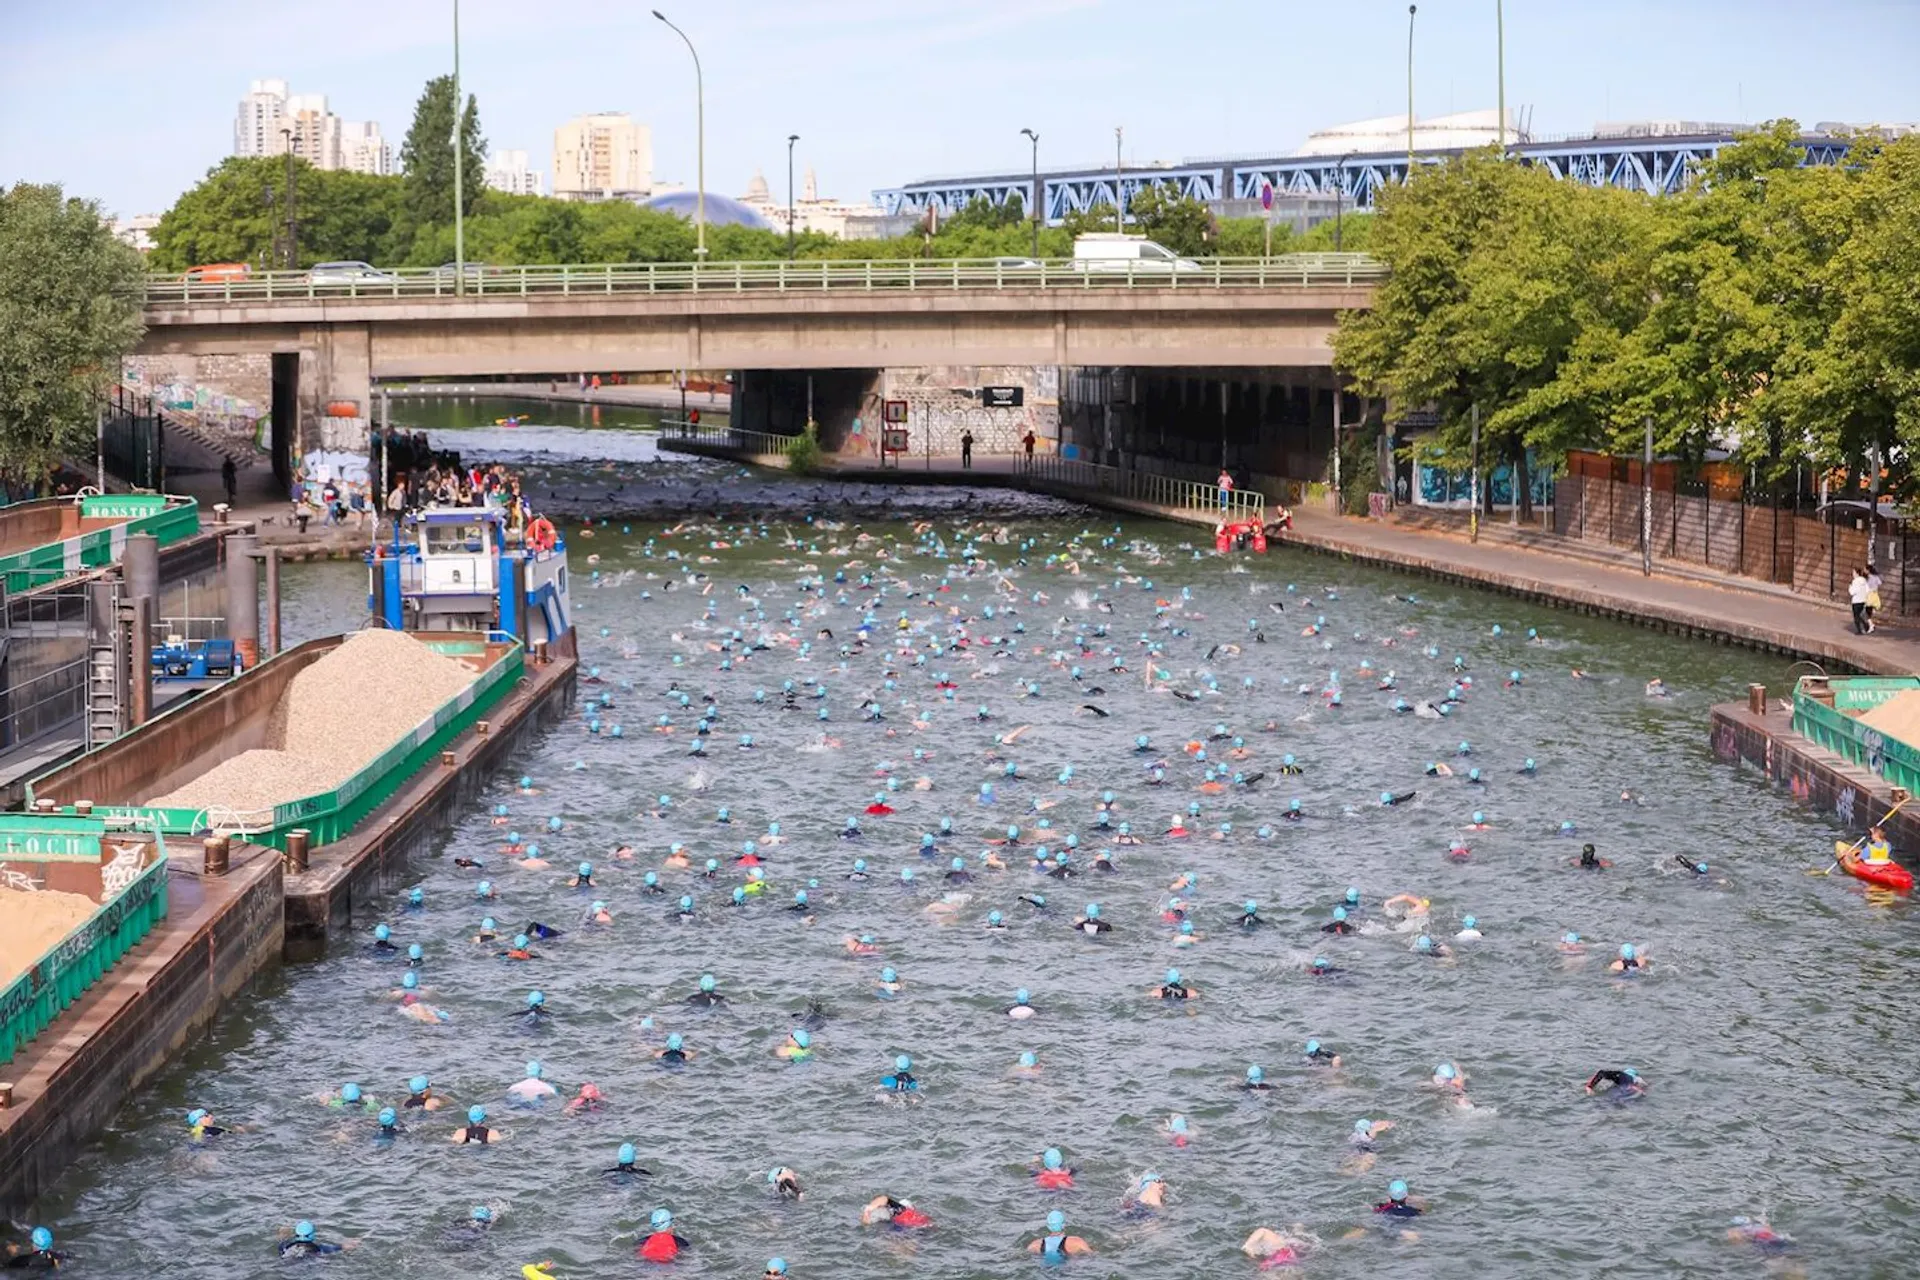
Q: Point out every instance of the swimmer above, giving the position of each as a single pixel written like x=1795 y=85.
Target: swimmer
x=582 y=877
x=1657 y=688
x=1630 y=960
x=889 y=984
x=1365 y=1134
x=1179 y=1130
x=1623 y=1083
x=1276 y=1248
x=785 y=1183
x=536 y=1013
x=1255 y=1081
x=200 y=1126
x=383 y=940
x=1698 y=869
x=902 y=1080
x=489 y=931
x=1250 y=915
x=586 y=1102
x=1425 y=945
x=706 y=997
x=420 y=1095
x=542 y=932
x=624 y=1169
x=1173 y=988
x=1758 y=1235
x=304 y=1243
x=390 y=1126
x=1399 y=1205
x=476 y=1130
x=798 y=1046
x=1055 y=1242
x=1339 y=925
x=39 y=1255
x=1091 y=924
x=531 y=1088
x=1321 y=967
x=899 y=1214
x=676 y=1053
x=995 y=922
x=519 y=949
x=1053 y=1173
x=1318 y=1055
x=1028 y=1066
x=1021 y=1008
x=1469 y=930
x=862 y=945
x=661 y=1243
x=1590 y=860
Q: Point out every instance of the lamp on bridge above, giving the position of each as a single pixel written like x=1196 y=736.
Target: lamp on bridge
x=1034 y=195
x=791 y=139
x=700 y=142
x=1339 y=196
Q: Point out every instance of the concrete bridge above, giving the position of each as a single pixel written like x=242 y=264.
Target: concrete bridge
x=1218 y=313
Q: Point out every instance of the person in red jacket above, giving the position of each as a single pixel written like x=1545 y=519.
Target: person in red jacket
x=662 y=1244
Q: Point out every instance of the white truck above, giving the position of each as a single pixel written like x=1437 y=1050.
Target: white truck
x=1113 y=251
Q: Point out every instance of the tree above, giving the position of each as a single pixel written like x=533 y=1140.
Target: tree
x=982 y=212
x=1174 y=221
x=238 y=210
x=70 y=296
x=426 y=157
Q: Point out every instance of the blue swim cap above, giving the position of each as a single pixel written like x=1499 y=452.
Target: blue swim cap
x=1093 y=911
x=381 y=933
x=586 y=869
x=1478 y=817
x=1321 y=962
x=482 y=1214
x=1423 y=943
x=482 y=889
x=1397 y=1190
x=1570 y=938
x=486 y=922
x=1444 y=1071
x=417 y=1085
x=521 y=942
x=1173 y=977
x=417 y=896
x=476 y=1113
x=303 y=1230
x=1056 y=1221
x=625 y=1155
x=387 y=1117
x=599 y=905
x=859 y=864
x=959 y=864
x=1626 y=951
x=706 y=982
x=888 y=975
x=414 y=952
x=42 y=1239
x=1339 y=913
x=1255 y=1075
x=675 y=1041
x=739 y=894
x=906 y=875
x=533 y=1069
x=1386 y=797
x=1051 y=1158
x=1029 y=1058
x=349 y=1092
x=776 y=1266
x=1313 y=1047
x=686 y=903
x=1021 y=996
x=902 y=1062
x=1363 y=1126
x=1700 y=868
x=535 y=999
x=1469 y=923
x=661 y=1219
x=800 y=1037
x=1250 y=906
x=1630 y=1074
x=994 y=917
x=1178 y=1124
x=1353 y=896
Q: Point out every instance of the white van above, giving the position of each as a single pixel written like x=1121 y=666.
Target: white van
x=1113 y=251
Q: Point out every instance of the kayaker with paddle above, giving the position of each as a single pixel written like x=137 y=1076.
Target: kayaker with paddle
x=1878 y=852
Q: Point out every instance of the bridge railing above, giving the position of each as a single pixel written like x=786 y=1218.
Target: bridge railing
x=754 y=442
x=1298 y=270
x=1145 y=487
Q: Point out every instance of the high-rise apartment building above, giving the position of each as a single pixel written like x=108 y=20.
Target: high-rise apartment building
x=507 y=171
x=270 y=120
x=604 y=156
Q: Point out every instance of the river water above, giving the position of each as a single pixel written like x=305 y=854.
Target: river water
x=1769 y=1025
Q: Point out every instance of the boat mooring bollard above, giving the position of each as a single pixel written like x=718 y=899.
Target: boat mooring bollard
x=297 y=849
x=1757 y=699
x=6 y=1094
x=214 y=859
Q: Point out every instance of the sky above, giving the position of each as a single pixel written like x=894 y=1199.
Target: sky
x=131 y=104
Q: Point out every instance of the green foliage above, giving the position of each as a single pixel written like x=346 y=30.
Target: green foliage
x=238 y=210
x=1767 y=310
x=69 y=311
x=426 y=157
x=1174 y=221
x=804 y=454
x=982 y=212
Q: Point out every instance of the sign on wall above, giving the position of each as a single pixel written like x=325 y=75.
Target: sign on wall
x=1003 y=397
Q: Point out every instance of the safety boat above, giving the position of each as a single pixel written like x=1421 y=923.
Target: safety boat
x=459 y=569
x=1883 y=875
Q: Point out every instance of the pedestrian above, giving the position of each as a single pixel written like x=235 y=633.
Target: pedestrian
x=229 y=479
x=397 y=500
x=966 y=450
x=1857 y=596
x=1028 y=441
x=329 y=504
x=1873 y=595
x=1226 y=488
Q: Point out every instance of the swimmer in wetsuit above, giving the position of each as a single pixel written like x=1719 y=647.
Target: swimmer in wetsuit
x=476 y=1131
x=902 y=1080
x=785 y=1182
x=1250 y=915
x=535 y=1014
x=1339 y=924
x=1056 y=1243
x=1256 y=1081
x=1591 y=861
x=624 y=1169
x=1091 y=924
x=1053 y=1174
x=676 y=1053
x=306 y=1244
x=1173 y=988
x=1623 y=1083
x=1397 y=1205
x=40 y=1255
x=383 y=940
x=798 y=1046
x=1630 y=960
x=661 y=1244
x=706 y=997
x=1318 y=1055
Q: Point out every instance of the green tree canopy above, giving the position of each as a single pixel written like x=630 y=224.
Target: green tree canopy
x=69 y=312
x=238 y=211
x=426 y=157
x=1177 y=222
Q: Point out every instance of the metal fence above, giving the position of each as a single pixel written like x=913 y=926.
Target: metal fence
x=43 y=661
x=1300 y=270
x=758 y=443
x=1169 y=492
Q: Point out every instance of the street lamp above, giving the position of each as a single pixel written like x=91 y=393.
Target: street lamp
x=791 y=139
x=459 y=168
x=1500 y=61
x=700 y=141
x=1118 y=203
x=1034 y=138
x=1411 y=10
x=293 y=234
x=1339 y=196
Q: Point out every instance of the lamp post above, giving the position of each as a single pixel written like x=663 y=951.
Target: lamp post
x=1034 y=195
x=1119 y=217
x=700 y=142
x=1500 y=62
x=1339 y=196
x=791 y=139
x=459 y=168
x=1411 y=10
x=293 y=234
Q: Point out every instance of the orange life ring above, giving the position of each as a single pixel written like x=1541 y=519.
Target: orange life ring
x=540 y=534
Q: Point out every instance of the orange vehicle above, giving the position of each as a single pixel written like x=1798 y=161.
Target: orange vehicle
x=218 y=273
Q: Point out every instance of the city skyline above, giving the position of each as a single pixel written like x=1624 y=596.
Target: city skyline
x=885 y=115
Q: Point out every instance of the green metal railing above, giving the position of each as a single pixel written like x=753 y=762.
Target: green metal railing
x=33 y=1000
x=1188 y=496
x=1846 y=736
x=1299 y=270
x=762 y=444
x=168 y=519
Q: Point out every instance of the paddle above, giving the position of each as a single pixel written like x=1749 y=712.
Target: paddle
x=1828 y=870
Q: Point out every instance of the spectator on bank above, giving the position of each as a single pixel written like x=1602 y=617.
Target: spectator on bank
x=1226 y=488
x=1028 y=441
x=229 y=478
x=1873 y=596
x=1857 y=596
x=966 y=450
x=397 y=500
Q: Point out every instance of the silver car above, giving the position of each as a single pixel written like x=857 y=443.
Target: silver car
x=348 y=273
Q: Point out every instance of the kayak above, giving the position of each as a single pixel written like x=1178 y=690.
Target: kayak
x=1885 y=875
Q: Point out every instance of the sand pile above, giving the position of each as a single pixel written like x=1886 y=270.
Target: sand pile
x=335 y=718
x=31 y=924
x=1897 y=717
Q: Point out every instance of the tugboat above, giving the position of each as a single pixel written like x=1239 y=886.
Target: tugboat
x=462 y=572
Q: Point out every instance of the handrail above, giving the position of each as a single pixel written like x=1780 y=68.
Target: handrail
x=1189 y=496
x=761 y=443
x=1298 y=270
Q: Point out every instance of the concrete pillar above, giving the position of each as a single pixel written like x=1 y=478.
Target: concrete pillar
x=243 y=598
x=336 y=371
x=140 y=662
x=140 y=566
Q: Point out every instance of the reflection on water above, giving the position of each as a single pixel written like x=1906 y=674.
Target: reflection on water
x=1777 y=1059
